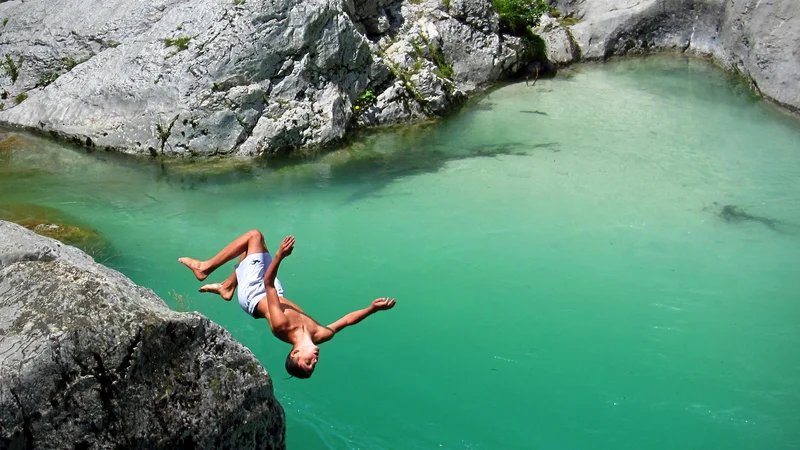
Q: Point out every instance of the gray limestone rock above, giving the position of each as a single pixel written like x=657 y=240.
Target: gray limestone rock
x=88 y=359
x=222 y=77
x=561 y=49
x=756 y=38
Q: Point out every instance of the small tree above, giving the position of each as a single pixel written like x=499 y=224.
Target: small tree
x=516 y=16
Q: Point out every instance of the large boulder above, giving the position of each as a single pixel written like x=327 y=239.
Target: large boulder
x=90 y=360
x=240 y=77
x=560 y=49
x=756 y=38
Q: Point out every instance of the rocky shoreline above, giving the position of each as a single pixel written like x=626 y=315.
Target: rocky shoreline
x=755 y=39
x=241 y=78
x=251 y=77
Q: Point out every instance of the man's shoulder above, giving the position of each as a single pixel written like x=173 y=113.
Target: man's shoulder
x=323 y=334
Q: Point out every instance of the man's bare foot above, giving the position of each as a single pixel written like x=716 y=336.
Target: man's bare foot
x=218 y=288
x=196 y=267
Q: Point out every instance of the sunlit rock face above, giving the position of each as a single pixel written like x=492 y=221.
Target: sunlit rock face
x=757 y=39
x=241 y=77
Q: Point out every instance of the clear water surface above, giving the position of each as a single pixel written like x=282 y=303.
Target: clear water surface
x=564 y=276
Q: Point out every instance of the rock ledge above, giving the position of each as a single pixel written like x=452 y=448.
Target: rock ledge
x=89 y=358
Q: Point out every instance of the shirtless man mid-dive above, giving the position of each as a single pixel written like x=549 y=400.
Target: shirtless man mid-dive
x=261 y=296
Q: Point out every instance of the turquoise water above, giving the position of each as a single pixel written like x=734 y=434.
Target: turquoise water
x=563 y=276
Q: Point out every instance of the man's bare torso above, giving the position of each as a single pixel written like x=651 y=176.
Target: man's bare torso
x=297 y=319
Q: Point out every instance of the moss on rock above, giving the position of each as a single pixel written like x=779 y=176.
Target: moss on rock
x=10 y=142
x=54 y=224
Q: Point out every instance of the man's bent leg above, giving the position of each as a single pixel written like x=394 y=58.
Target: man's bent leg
x=227 y=287
x=250 y=242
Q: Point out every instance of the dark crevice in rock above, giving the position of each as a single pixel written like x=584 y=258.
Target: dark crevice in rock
x=27 y=433
x=106 y=381
x=123 y=367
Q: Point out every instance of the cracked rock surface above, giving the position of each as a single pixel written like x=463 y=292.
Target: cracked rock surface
x=756 y=38
x=240 y=77
x=90 y=360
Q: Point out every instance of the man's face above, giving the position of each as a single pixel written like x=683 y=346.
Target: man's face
x=307 y=358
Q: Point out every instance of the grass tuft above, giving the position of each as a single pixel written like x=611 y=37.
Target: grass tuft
x=181 y=42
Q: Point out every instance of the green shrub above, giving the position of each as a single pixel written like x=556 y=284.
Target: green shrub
x=365 y=100
x=20 y=98
x=567 y=21
x=47 y=79
x=182 y=42
x=536 y=46
x=12 y=67
x=517 y=15
x=70 y=62
x=443 y=69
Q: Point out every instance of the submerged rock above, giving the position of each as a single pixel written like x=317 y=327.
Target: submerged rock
x=756 y=39
x=9 y=143
x=90 y=360
x=736 y=214
x=53 y=223
x=212 y=77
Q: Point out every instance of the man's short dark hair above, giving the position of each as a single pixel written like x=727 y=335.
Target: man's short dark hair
x=294 y=369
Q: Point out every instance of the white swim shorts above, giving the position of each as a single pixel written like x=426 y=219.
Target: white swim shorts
x=250 y=275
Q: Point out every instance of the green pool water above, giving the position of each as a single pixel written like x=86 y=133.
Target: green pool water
x=564 y=275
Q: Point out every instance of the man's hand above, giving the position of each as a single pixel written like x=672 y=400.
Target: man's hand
x=286 y=247
x=379 y=304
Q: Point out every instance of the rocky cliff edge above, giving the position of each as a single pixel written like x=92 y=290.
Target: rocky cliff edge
x=90 y=360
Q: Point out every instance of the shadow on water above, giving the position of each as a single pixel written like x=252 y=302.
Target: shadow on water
x=374 y=174
x=735 y=214
x=369 y=160
x=374 y=159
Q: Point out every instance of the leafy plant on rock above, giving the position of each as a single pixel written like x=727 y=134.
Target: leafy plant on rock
x=12 y=67
x=47 y=79
x=365 y=100
x=443 y=69
x=517 y=16
x=70 y=62
x=181 y=43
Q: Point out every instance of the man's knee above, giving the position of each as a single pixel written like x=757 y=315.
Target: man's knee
x=255 y=235
x=255 y=242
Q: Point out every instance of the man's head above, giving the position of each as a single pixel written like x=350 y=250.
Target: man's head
x=301 y=361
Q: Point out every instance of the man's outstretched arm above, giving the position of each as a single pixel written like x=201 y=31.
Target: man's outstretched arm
x=277 y=319
x=354 y=317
